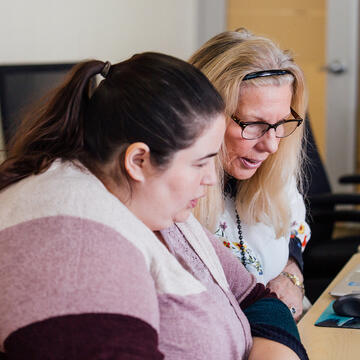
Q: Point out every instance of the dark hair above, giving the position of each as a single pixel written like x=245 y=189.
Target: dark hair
x=151 y=98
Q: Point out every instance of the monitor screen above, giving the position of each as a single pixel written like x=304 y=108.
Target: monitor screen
x=23 y=85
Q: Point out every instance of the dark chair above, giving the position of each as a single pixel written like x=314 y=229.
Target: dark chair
x=325 y=256
x=21 y=86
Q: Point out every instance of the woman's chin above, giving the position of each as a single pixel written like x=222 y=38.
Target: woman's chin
x=182 y=216
x=242 y=174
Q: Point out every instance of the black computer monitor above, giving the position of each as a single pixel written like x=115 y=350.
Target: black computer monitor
x=23 y=85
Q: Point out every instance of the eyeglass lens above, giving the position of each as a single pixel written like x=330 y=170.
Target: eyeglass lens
x=254 y=131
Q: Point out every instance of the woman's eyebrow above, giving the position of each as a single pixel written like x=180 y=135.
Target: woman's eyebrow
x=259 y=118
x=207 y=156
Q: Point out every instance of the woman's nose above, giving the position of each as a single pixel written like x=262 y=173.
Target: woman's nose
x=210 y=178
x=269 y=142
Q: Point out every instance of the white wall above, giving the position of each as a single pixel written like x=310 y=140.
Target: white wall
x=34 y=31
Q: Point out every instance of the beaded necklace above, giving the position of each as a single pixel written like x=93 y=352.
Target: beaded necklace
x=230 y=190
x=241 y=241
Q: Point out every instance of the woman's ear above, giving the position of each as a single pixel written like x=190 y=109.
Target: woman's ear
x=137 y=156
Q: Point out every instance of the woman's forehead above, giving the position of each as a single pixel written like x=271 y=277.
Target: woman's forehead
x=253 y=95
x=266 y=102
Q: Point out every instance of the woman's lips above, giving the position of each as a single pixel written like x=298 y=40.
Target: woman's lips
x=194 y=202
x=250 y=164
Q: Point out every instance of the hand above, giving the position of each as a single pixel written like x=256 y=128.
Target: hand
x=287 y=291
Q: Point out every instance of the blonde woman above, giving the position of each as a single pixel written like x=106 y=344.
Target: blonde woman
x=261 y=218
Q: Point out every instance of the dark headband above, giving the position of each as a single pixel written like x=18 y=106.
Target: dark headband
x=265 y=73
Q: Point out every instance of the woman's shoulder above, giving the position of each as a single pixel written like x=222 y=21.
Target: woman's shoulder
x=60 y=180
x=65 y=188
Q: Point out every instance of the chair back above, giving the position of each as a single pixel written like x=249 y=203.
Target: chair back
x=316 y=183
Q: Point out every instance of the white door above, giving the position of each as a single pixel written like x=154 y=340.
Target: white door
x=342 y=80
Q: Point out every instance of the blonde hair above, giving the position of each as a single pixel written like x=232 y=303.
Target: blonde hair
x=225 y=60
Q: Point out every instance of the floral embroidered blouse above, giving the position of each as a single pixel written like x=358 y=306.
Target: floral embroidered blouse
x=265 y=255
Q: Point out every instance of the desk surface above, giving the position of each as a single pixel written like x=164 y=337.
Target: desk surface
x=329 y=343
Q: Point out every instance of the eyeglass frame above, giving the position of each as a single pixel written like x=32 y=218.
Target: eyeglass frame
x=243 y=124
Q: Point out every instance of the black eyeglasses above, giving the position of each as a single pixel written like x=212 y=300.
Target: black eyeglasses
x=255 y=130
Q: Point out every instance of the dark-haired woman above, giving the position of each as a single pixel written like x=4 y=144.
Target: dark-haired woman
x=99 y=255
